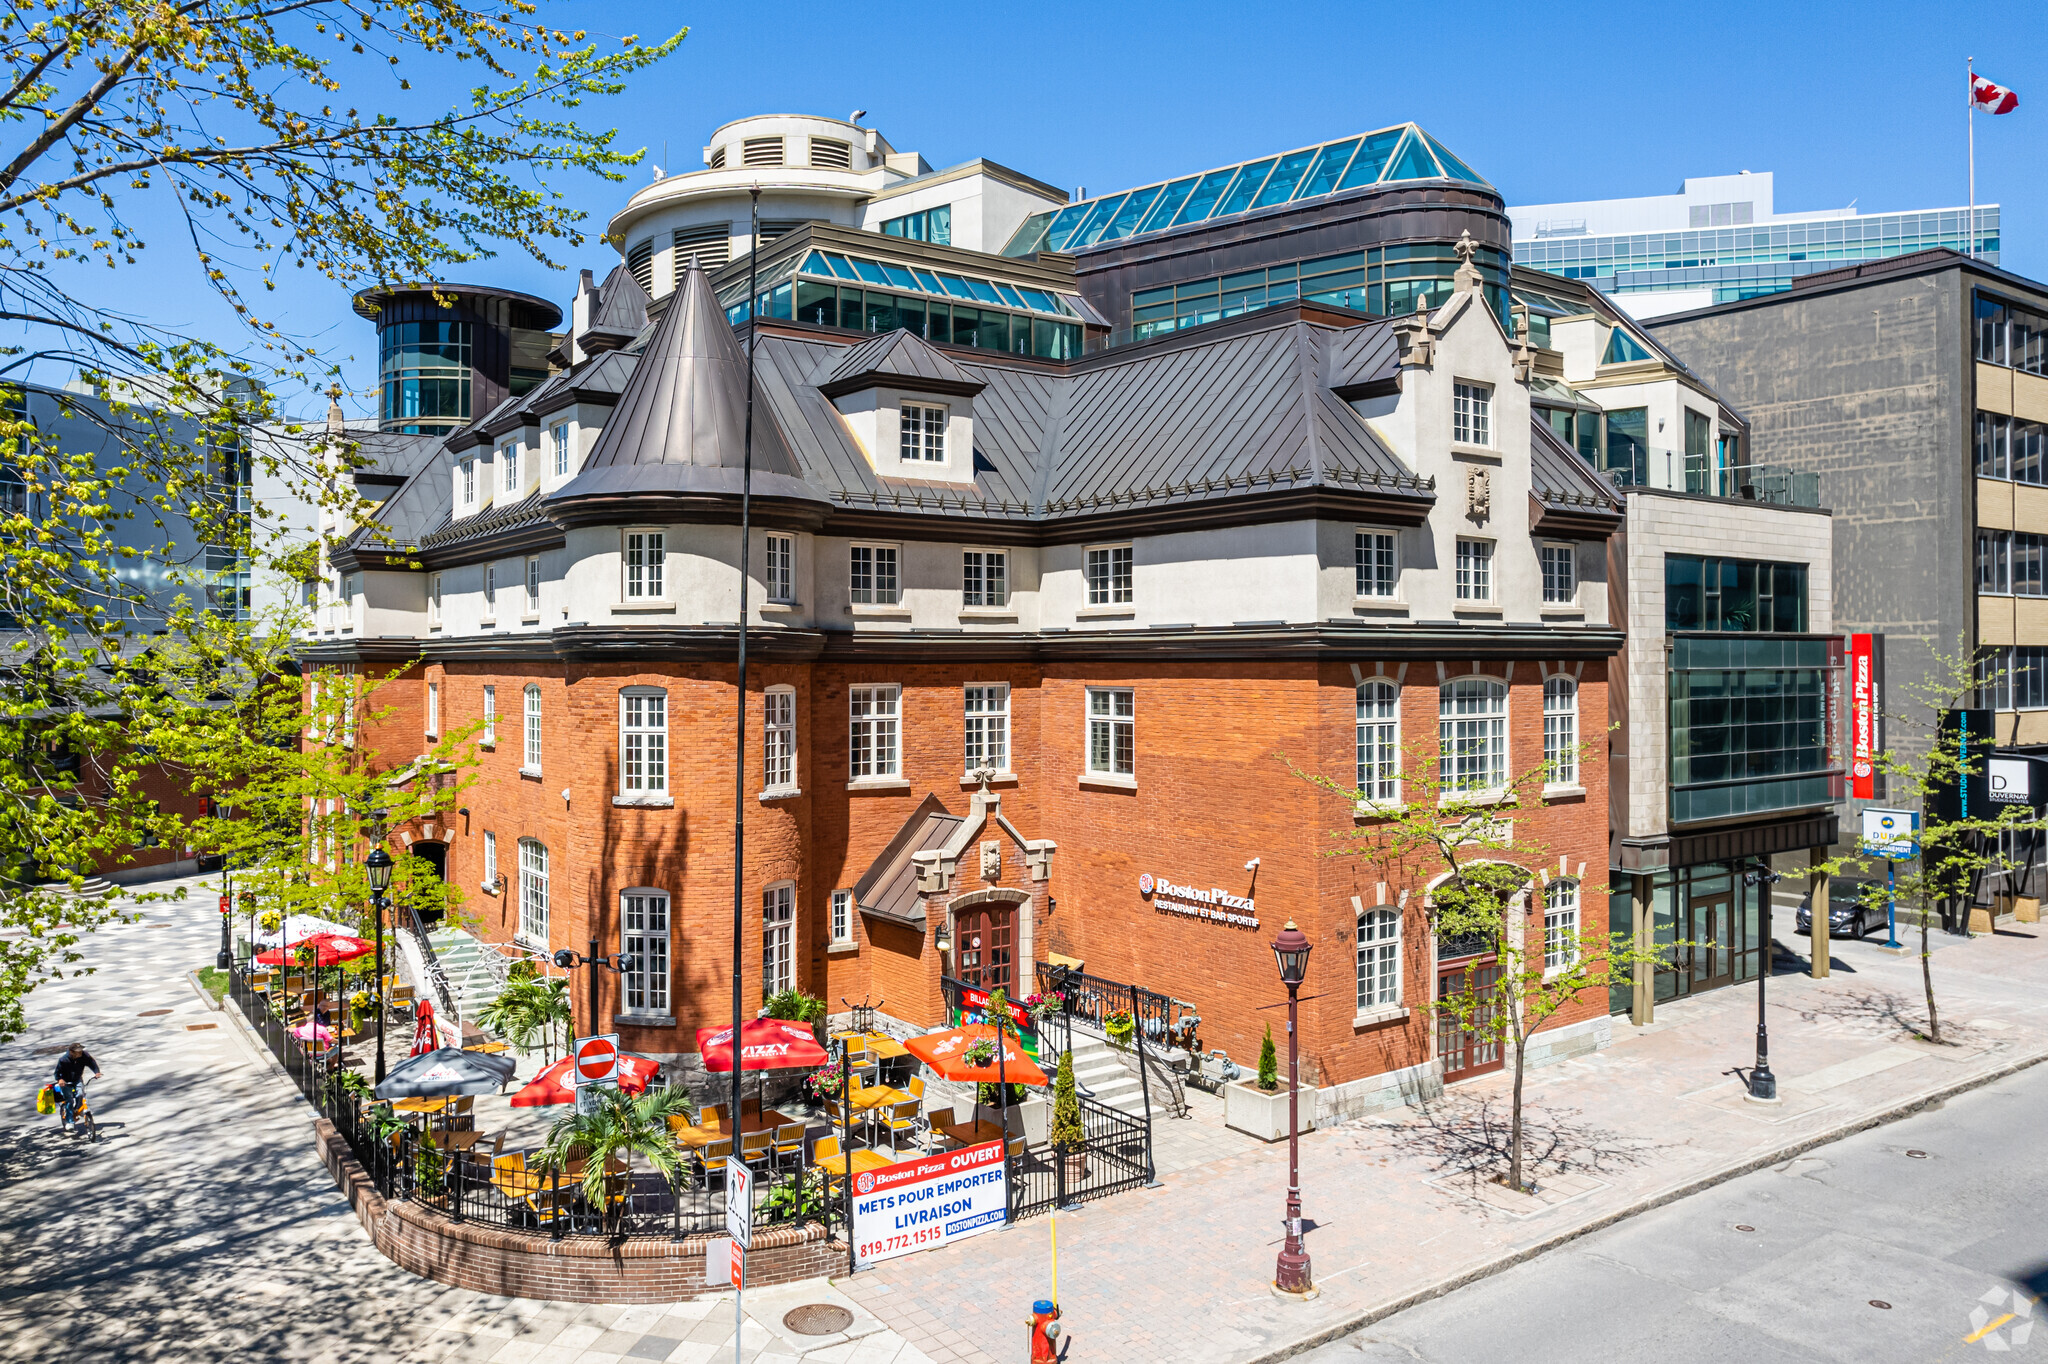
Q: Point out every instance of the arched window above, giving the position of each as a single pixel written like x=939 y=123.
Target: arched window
x=533 y=891
x=1379 y=741
x=1560 y=924
x=1379 y=959
x=531 y=758
x=1561 y=732
x=1472 y=731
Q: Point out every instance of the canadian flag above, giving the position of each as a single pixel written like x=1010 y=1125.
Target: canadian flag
x=1992 y=99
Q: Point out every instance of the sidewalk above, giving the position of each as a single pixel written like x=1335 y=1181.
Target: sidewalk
x=1400 y=1205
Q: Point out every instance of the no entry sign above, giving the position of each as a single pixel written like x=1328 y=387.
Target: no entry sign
x=597 y=1060
x=924 y=1204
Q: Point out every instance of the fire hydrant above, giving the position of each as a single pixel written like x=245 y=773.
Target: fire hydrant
x=1045 y=1332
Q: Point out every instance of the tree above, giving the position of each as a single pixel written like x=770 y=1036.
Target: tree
x=1489 y=893
x=1269 y=1063
x=242 y=124
x=619 y=1125
x=1067 y=1133
x=1955 y=853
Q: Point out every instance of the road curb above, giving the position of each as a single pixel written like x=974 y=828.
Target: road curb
x=205 y=995
x=1734 y=1170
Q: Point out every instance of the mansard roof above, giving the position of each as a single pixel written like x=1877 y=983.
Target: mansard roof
x=898 y=359
x=1571 y=500
x=621 y=312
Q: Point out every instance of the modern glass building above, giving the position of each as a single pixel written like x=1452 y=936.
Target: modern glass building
x=449 y=353
x=1718 y=240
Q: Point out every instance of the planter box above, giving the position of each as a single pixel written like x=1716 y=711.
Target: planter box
x=1031 y=1119
x=1251 y=1110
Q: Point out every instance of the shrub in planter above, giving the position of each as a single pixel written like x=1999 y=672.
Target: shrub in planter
x=1269 y=1063
x=1069 y=1138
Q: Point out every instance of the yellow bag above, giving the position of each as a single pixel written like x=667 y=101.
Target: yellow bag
x=46 y=1100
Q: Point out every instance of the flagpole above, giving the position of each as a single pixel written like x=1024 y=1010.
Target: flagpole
x=1970 y=106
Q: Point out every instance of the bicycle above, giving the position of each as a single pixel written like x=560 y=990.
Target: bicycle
x=81 y=1112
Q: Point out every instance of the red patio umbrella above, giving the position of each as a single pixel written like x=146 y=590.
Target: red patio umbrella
x=552 y=1086
x=423 y=1037
x=946 y=1053
x=330 y=949
x=765 y=1044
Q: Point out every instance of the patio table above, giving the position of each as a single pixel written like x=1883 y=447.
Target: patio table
x=755 y=1120
x=419 y=1105
x=971 y=1134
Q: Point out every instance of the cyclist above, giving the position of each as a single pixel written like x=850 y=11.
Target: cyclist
x=71 y=1068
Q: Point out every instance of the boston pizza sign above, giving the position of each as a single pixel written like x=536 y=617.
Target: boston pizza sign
x=1213 y=904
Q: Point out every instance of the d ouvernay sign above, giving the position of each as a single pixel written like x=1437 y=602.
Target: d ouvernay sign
x=1214 y=904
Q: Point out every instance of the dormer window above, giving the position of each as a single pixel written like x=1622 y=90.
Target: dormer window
x=924 y=433
x=509 y=456
x=469 y=483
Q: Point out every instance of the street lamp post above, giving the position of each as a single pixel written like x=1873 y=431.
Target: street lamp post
x=1291 y=951
x=226 y=958
x=377 y=868
x=1763 y=1086
x=567 y=958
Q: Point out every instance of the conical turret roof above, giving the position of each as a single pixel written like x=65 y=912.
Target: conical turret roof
x=679 y=429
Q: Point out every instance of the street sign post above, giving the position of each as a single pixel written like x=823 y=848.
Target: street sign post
x=597 y=1061
x=739 y=1224
x=1893 y=835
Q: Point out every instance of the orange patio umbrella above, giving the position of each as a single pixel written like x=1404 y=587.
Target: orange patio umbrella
x=946 y=1053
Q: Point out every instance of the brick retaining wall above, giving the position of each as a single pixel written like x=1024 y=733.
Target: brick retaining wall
x=574 y=1269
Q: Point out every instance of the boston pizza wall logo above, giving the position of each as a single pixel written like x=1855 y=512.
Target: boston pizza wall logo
x=865 y=1182
x=1144 y=883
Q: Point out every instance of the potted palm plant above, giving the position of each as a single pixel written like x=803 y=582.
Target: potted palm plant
x=527 y=1012
x=619 y=1126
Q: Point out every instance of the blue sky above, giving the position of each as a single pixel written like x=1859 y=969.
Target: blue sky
x=1551 y=103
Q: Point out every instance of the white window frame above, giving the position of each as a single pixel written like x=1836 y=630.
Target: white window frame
x=529 y=756
x=1471 y=413
x=1376 y=564
x=1559 y=560
x=1379 y=959
x=778 y=740
x=644 y=941
x=559 y=434
x=1110 y=574
x=469 y=483
x=533 y=892
x=1379 y=740
x=778 y=938
x=434 y=599
x=508 y=455
x=1460 y=725
x=985 y=578
x=985 y=736
x=922 y=428
x=490 y=734
x=490 y=860
x=779 y=576
x=643 y=559
x=881 y=589
x=874 y=750
x=490 y=591
x=433 y=709
x=1108 y=721
x=533 y=585
x=1560 y=731
x=1475 y=569
x=1560 y=924
x=643 y=742
x=842 y=916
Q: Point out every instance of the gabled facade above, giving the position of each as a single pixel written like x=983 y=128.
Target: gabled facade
x=1099 y=596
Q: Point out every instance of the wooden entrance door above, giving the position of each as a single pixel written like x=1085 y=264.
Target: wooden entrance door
x=985 y=947
x=1715 y=930
x=1464 y=1051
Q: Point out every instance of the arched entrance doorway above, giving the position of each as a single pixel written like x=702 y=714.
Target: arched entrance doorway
x=985 y=945
x=435 y=855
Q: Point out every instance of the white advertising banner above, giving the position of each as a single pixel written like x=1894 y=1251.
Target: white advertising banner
x=929 y=1202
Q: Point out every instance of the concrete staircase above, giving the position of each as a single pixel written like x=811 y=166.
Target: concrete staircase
x=459 y=956
x=1102 y=1071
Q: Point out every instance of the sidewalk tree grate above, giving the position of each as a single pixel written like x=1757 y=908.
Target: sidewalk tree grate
x=152 y=1013
x=818 y=1319
x=200 y=1027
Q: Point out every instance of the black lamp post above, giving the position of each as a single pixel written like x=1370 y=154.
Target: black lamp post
x=377 y=868
x=1291 y=951
x=225 y=960
x=1763 y=1086
x=568 y=959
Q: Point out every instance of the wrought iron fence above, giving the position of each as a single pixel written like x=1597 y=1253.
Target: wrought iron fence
x=499 y=1189
x=1094 y=1000
x=1117 y=1155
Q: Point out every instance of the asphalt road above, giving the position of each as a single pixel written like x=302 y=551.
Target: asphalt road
x=1938 y=1217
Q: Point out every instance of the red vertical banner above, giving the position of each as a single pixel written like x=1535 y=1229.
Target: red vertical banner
x=1863 y=710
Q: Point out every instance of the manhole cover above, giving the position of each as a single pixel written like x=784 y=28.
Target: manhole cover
x=1917 y=1155
x=1744 y=1226
x=200 y=1027
x=152 y=1013
x=818 y=1319
x=1881 y=1304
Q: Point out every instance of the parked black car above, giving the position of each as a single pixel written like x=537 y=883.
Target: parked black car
x=1848 y=915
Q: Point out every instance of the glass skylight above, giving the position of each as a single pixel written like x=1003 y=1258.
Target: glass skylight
x=1404 y=152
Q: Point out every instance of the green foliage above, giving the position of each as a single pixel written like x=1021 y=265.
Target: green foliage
x=429 y=1170
x=528 y=1011
x=622 y=1125
x=371 y=141
x=214 y=980
x=1269 y=1063
x=798 y=1007
x=799 y=1195
x=1121 y=1027
x=1067 y=1133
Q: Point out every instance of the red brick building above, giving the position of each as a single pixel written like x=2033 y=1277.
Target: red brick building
x=1031 y=642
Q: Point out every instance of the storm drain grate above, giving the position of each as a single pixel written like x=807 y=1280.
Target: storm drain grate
x=200 y=1027
x=818 y=1319
x=152 y=1013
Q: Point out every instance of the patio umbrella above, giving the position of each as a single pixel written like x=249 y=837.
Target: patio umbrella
x=552 y=1086
x=329 y=949
x=423 y=1039
x=445 y=1071
x=946 y=1053
x=765 y=1044
x=299 y=927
